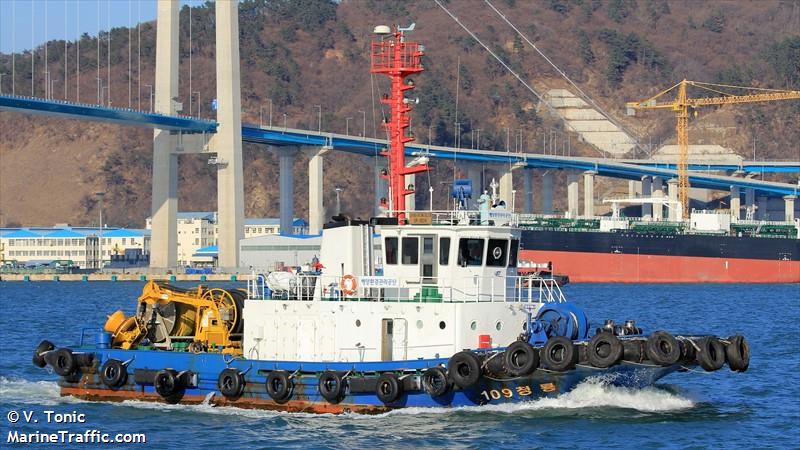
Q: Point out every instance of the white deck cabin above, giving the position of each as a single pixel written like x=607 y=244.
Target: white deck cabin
x=444 y=286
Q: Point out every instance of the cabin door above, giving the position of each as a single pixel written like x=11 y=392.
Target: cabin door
x=387 y=339
x=428 y=267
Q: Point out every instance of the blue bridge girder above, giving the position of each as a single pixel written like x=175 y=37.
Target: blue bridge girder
x=279 y=136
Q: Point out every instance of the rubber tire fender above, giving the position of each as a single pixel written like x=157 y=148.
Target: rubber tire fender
x=464 y=368
x=559 y=354
x=604 y=350
x=113 y=373
x=331 y=386
x=38 y=359
x=662 y=348
x=435 y=382
x=63 y=362
x=738 y=353
x=711 y=355
x=279 y=386
x=521 y=359
x=166 y=383
x=231 y=383
x=388 y=388
x=633 y=350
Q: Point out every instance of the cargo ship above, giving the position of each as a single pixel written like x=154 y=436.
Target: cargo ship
x=709 y=248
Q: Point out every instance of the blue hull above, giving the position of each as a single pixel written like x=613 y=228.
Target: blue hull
x=205 y=369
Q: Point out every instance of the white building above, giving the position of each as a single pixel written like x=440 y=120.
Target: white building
x=198 y=233
x=80 y=244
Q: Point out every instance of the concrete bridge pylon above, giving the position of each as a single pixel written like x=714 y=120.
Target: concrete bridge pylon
x=226 y=142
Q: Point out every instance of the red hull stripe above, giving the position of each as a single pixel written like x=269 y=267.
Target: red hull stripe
x=582 y=267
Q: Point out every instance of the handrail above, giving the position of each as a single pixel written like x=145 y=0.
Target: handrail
x=473 y=289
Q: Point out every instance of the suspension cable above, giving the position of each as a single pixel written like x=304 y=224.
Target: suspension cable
x=563 y=74
x=509 y=69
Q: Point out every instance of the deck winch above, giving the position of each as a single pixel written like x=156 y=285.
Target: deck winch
x=200 y=318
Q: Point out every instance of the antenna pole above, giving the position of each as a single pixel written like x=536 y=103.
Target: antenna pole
x=397 y=59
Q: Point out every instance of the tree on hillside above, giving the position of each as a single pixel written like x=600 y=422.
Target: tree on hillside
x=619 y=10
x=784 y=57
x=585 y=48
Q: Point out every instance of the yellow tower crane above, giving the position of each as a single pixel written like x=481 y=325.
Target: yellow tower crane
x=681 y=105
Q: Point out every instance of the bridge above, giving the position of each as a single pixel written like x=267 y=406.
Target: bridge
x=175 y=134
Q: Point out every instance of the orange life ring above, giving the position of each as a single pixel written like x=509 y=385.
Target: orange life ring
x=348 y=284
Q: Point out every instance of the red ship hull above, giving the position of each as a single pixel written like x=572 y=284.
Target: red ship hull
x=588 y=267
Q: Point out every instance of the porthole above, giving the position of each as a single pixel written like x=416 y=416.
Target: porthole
x=419 y=324
x=358 y=322
x=473 y=325
x=442 y=325
x=498 y=325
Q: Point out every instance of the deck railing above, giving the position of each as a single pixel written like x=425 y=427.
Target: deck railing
x=308 y=287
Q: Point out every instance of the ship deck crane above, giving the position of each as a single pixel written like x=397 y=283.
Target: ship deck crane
x=681 y=105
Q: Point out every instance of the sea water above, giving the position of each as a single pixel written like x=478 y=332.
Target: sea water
x=756 y=409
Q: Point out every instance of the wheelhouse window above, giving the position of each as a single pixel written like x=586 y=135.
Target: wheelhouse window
x=513 y=252
x=391 y=250
x=470 y=252
x=498 y=253
x=410 y=250
x=444 y=251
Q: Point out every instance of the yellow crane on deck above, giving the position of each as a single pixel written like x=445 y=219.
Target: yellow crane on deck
x=681 y=104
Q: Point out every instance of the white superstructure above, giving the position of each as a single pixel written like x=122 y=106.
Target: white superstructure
x=431 y=291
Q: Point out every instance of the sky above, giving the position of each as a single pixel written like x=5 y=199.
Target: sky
x=25 y=24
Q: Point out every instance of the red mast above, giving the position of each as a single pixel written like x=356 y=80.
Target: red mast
x=397 y=59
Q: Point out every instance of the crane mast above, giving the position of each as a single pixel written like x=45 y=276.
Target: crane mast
x=681 y=106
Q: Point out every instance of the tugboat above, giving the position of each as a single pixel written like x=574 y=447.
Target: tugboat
x=438 y=317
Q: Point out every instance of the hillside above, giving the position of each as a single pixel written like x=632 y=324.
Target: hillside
x=297 y=54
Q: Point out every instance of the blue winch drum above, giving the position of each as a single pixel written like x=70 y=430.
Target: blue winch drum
x=103 y=340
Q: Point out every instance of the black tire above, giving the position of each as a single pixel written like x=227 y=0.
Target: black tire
x=464 y=368
x=63 y=362
x=166 y=383
x=435 y=382
x=279 y=386
x=711 y=355
x=688 y=352
x=38 y=358
x=559 y=354
x=113 y=373
x=738 y=353
x=662 y=348
x=604 y=350
x=633 y=350
x=331 y=386
x=84 y=359
x=231 y=383
x=388 y=388
x=521 y=359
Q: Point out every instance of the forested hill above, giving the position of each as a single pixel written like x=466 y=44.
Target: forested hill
x=303 y=57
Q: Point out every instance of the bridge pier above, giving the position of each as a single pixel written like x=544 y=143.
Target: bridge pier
x=788 y=205
x=164 y=209
x=547 y=192
x=227 y=142
x=316 y=205
x=527 y=207
x=286 y=156
x=507 y=186
x=763 y=206
x=474 y=172
x=588 y=193
x=658 y=192
x=735 y=203
x=674 y=213
x=572 y=195
x=647 y=208
x=750 y=199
